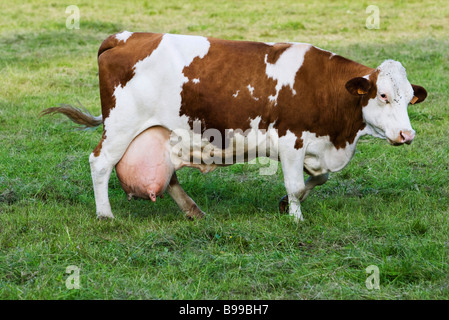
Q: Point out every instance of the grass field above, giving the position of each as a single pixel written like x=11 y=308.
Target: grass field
x=388 y=208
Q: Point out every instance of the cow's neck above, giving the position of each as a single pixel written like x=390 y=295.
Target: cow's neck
x=345 y=110
x=322 y=105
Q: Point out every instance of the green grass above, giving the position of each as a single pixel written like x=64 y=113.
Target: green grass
x=389 y=207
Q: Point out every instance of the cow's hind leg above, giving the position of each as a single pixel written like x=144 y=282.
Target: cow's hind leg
x=185 y=203
x=102 y=160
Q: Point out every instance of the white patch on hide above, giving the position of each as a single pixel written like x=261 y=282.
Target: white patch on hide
x=286 y=67
x=123 y=36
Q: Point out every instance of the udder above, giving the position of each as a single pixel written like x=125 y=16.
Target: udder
x=145 y=169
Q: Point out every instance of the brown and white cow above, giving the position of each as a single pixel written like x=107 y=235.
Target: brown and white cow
x=310 y=105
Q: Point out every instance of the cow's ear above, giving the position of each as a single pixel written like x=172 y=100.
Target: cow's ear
x=358 y=86
x=419 y=94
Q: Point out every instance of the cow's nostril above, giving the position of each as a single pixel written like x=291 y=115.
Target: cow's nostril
x=406 y=136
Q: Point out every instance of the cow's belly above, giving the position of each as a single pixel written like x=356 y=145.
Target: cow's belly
x=194 y=150
x=145 y=169
x=322 y=157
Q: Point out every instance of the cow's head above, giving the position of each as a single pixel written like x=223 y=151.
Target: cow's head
x=387 y=93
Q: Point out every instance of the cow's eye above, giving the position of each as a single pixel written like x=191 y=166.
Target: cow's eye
x=384 y=97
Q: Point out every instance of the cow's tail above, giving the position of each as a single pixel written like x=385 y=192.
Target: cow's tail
x=78 y=115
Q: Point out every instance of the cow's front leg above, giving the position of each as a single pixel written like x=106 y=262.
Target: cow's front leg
x=292 y=161
x=311 y=183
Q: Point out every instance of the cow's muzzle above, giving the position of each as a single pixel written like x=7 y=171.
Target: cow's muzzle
x=405 y=136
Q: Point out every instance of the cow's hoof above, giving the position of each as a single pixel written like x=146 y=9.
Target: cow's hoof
x=283 y=205
x=105 y=217
x=195 y=214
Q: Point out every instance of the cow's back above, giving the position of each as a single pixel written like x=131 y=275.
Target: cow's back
x=230 y=87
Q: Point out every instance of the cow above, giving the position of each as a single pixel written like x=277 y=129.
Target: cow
x=308 y=106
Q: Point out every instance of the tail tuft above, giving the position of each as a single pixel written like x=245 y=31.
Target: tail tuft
x=78 y=115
